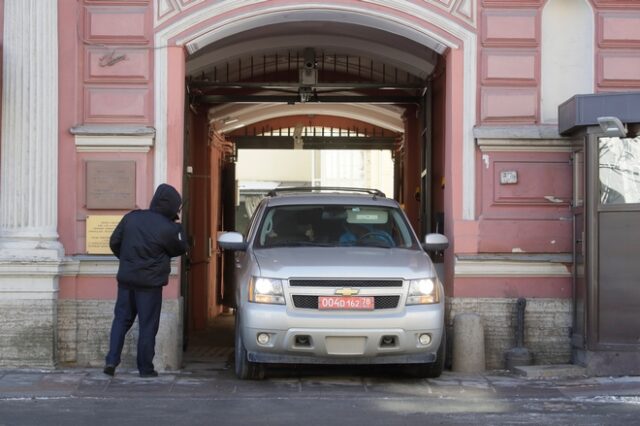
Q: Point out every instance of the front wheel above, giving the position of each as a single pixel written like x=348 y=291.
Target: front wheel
x=245 y=369
x=433 y=369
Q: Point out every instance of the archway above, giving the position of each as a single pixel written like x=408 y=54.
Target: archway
x=214 y=35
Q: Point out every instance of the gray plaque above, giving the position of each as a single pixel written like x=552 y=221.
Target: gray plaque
x=111 y=184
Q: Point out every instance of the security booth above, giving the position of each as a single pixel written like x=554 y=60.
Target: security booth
x=606 y=215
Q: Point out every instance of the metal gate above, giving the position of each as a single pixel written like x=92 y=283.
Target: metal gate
x=606 y=207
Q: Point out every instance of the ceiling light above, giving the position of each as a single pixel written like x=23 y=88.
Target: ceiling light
x=229 y=120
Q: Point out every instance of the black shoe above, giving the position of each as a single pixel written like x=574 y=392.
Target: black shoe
x=152 y=373
x=109 y=370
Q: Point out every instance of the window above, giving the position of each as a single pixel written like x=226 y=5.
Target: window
x=335 y=225
x=619 y=170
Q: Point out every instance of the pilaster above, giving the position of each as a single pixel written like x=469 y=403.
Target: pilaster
x=30 y=252
x=29 y=171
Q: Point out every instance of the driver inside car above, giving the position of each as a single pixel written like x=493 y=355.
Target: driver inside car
x=362 y=233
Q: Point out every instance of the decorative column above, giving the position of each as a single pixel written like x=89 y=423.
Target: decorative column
x=29 y=170
x=30 y=252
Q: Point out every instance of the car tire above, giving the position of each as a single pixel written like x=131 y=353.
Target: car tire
x=434 y=369
x=245 y=369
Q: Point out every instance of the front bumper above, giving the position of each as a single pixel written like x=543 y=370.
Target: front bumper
x=342 y=338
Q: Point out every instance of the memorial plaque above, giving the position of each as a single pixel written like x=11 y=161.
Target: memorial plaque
x=99 y=230
x=111 y=185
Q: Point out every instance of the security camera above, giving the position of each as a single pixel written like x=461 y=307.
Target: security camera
x=309 y=55
x=309 y=70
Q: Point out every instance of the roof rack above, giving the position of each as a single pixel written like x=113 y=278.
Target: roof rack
x=374 y=192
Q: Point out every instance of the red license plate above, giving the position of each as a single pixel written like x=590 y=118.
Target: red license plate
x=357 y=303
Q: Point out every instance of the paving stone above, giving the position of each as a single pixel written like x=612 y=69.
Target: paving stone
x=550 y=371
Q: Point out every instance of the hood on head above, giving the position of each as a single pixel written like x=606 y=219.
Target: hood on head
x=166 y=201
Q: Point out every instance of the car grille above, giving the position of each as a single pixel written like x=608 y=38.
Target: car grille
x=311 y=302
x=345 y=283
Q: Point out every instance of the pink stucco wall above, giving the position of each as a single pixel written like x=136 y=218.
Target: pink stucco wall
x=106 y=77
x=68 y=116
x=116 y=62
x=510 y=48
x=531 y=216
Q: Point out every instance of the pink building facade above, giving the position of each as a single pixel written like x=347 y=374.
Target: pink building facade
x=96 y=114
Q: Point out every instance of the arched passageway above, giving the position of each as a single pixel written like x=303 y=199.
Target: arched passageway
x=388 y=67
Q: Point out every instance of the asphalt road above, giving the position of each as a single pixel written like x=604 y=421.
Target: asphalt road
x=209 y=394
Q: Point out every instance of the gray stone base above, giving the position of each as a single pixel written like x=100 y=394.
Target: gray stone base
x=547 y=327
x=609 y=363
x=83 y=337
x=28 y=333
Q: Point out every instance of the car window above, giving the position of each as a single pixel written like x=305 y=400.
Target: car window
x=254 y=220
x=334 y=225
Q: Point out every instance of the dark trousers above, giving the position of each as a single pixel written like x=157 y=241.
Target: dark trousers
x=146 y=305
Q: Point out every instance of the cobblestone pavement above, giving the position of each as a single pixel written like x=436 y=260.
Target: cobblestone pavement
x=209 y=393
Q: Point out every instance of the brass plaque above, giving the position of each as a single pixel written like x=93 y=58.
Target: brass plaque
x=99 y=230
x=111 y=185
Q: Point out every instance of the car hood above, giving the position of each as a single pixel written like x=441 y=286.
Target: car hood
x=343 y=262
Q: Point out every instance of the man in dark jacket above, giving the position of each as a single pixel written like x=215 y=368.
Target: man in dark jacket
x=144 y=241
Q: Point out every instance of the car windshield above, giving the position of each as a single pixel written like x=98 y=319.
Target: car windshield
x=334 y=225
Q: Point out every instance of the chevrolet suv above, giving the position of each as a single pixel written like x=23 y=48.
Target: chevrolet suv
x=335 y=277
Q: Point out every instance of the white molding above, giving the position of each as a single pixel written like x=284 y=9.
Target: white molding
x=31 y=294
x=29 y=280
x=493 y=268
x=227 y=27
x=88 y=265
x=160 y=159
x=525 y=145
x=113 y=143
x=177 y=7
x=319 y=12
x=573 y=53
x=518 y=132
x=41 y=268
x=468 y=122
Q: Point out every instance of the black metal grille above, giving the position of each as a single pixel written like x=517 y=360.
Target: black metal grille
x=345 y=283
x=311 y=302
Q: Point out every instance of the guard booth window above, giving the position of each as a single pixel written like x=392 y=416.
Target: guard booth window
x=619 y=170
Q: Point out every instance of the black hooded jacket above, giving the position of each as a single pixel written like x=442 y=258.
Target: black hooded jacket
x=146 y=240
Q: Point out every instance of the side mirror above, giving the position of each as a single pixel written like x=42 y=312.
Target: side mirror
x=232 y=241
x=435 y=242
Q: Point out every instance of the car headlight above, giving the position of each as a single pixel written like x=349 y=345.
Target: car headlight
x=423 y=292
x=266 y=290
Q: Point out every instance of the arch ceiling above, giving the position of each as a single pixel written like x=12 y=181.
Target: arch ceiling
x=367 y=43
x=432 y=24
x=348 y=53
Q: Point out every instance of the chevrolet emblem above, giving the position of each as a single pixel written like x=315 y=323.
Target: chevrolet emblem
x=347 y=291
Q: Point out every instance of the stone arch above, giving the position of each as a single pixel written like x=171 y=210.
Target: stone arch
x=425 y=24
x=376 y=115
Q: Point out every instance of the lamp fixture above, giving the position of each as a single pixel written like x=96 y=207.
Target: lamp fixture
x=612 y=127
x=229 y=120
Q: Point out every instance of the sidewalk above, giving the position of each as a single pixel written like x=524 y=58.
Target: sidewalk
x=219 y=380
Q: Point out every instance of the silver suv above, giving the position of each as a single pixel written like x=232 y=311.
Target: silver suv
x=335 y=278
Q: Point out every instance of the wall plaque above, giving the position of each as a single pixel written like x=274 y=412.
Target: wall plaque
x=111 y=184
x=99 y=230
